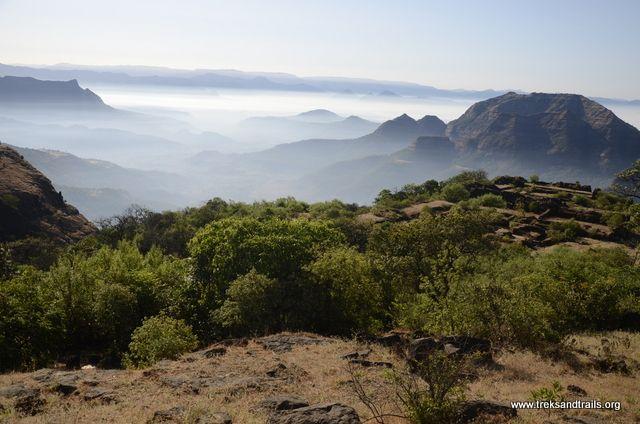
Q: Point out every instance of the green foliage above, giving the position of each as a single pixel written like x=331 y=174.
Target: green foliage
x=582 y=200
x=615 y=220
x=535 y=179
x=410 y=193
x=553 y=393
x=469 y=177
x=253 y=305
x=31 y=329
x=529 y=300
x=565 y=231
x=489 y=200
x=159 y=337
x=455 y=192
x=438 y=396
x=354 y=296
x=229 y=248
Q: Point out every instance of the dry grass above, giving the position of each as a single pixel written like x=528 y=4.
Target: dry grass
x=318 y=374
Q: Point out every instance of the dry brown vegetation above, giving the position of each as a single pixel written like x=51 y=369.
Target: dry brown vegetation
x=238 y=380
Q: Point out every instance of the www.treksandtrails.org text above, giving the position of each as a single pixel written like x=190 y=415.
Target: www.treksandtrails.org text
x=574 y=404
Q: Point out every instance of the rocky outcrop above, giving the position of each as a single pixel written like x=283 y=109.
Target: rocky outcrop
x=30 y=206
x=327 y=413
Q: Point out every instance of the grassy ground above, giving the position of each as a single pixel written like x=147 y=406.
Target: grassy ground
x=237 y=381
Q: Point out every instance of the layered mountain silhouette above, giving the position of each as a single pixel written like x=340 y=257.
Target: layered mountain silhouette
x=26 y=91
x=558 y=136
x=30 y=206
x=319 y=124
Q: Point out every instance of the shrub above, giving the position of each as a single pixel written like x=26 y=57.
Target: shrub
x=535 y=179
x=469 y=177
x=438 y=398
x=253 y=305
x=582 y=200
x=455 y=192
x=226 y=249
x=489 y=200
x=159 y=337
x=565 y=231
x=355 y=297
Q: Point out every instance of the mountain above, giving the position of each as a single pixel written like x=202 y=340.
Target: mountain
x=32 y=92
x=319 y=123
x=30 y=206
x=226 y=78
x=101 y=189
x=558 y=135
x=310 y=155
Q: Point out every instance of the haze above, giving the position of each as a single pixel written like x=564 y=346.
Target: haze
x=498 y=44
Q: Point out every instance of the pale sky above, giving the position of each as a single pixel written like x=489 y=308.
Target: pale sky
x=582 y=46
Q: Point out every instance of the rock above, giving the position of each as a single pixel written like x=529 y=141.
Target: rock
x=466 y=345
x=103 y=395
x=328 y=413
x=285 y=342
x=65 y=386
x=612 y=364
x=576 y=390
x=214 y=418
x=42 y=375
x=175 y=414
x=509 y=180
x=14 y=390
x=283 y=403
x=420 y=349
x=482 y=410
x=356 y=354
x=367 y=363
x=87 y=367
x=276 y=371
x=215 y=351
x=393 y=338
x=31 y=403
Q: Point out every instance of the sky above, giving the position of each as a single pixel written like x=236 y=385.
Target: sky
x=581 y=46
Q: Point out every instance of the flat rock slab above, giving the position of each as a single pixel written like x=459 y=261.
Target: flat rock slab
x=327 y=413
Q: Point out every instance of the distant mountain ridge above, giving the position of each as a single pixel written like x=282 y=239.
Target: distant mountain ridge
x=30 y=91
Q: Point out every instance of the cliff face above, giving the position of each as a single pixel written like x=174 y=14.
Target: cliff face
x=30 y=206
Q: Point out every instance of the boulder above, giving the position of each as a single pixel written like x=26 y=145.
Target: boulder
x=214 y=418
x=283 y=403
x=97 y=393
x=14 y=390
x=485 y=411
x=175 y=414
x=576 y=390
x=31 y=403
x=327 y=413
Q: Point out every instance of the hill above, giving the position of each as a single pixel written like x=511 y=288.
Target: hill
x=100 y=189
x=556 y=135
x=26 y=91
x=30 y=206
x=319 y=123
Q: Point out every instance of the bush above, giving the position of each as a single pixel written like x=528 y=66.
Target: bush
x=438 y=398
x=529 y=300
x=455 y=192
x=253 y=305
x=159 y=337
x=535 y=179
x=565 y=231
x=355 y=297
x=581 y=200
x=489 y=200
